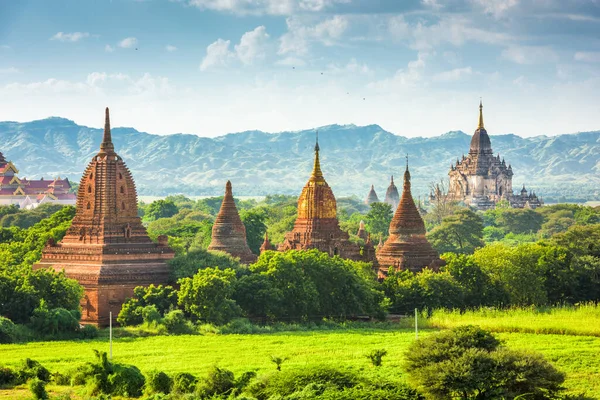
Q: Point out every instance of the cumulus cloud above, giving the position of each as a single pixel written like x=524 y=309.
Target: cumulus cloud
x=587 y=56
x=406 y=77
x=529 y=54
x=496 y=7
x=299 y=36
x=70 y=37
x=170 y=48
x=108 y=48
x=251 y=47
x=261 y=7
x=128 y=43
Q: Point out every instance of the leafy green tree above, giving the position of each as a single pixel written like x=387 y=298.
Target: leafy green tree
x=461 y=232
x=163 y=298
x=378 y=219
x=160 y=209
x=580 y=240
x=518 y=220
x=207 y=295
x=254 y=222
x=187 y=265
x=468 y=363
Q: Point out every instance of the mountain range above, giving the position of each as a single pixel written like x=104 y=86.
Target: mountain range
x=565 y=167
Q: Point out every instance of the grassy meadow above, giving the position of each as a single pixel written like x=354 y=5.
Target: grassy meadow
x=575 y=355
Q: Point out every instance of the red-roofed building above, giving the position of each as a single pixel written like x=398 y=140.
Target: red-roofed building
x=31 y=193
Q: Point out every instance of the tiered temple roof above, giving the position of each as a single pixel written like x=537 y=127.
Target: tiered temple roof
x=317 y=226
x=407 y=247
x=229 y=232
x=107 y=249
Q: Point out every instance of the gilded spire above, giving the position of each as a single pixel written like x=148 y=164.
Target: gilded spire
x=317 y=173
x=107 y=145
x=480 y=126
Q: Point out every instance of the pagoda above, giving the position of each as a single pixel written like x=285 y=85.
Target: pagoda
x=481 y=179
x=391 y=195
x=228 y=231
x=266 y=246
x=372 y=197
x=317 y=225
x=107 y=249
x=407 y=247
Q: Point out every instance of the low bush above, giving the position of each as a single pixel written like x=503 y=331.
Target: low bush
x=219 y=381
x=60 y=379
x=38 y=389
x=7 y=331
x=150 y=314
x=376 y=356
x=55 y=320
x=89 y=332
x=158 y=382
x=176 y=323
x=184 y=382
x=126 y=381
x=7 y=376
x=32 y=369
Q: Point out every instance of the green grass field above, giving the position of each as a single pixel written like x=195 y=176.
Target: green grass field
x=575 y=355
x=582 y=320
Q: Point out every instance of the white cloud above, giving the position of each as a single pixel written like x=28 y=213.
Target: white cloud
x=261 y=7
x=292 y=62
x=10 y=70
x=170 y=48
x=587 y=56
x=252 y=45
x=529 y=54
x=299 y=36
x=217 y=55
x=353 y=67
x=128 y=43
x=407 y=77
x=70 y=37
x=453 y=75
x=108 y=48
x=496 y=7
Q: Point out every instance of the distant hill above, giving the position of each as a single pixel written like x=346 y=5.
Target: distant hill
x=257 y=163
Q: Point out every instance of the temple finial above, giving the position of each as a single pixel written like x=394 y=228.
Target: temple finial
x=480 y=126
x=392 y=180
x=107 y=144
x=407 y=161
x=228 y=188
x=317 y=173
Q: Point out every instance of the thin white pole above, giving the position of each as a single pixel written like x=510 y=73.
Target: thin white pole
x=416 y=325
x=110 y=333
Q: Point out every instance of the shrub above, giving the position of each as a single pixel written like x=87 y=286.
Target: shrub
x=7 y=376
x=89 y=332
x=33 y=369
x=184 y=382
x=376 y=356
x=126 y=381
x=468 y=362
x=278 y=361
x=175 y=323
x=150 y=314
x=55 y=320
x=38 y=389
x=158 y=382
x=60 y=379
x=7 y=331
x=219 y=381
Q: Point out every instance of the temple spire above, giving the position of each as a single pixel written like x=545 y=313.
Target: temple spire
x=317 y=173
x=107 y=145
x=480 y=126
x=406 y=178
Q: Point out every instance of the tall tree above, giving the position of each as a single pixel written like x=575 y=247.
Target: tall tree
x=461 y=232
x=378 y=219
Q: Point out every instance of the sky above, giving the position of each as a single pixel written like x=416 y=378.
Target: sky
x=210 y=67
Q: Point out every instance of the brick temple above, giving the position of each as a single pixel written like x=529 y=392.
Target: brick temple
x=391 y=195
x=317 y=226
x=407 y=247
x=228 y=231
x=106 y=248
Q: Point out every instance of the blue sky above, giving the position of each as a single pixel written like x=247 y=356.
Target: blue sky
x=209 y=67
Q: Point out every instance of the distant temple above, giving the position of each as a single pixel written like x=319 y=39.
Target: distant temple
x=29 y=194
x=107 y=248
x=317 y=225
x=407 y=247
x=391 y=195
x=372 y=197
x=266 y=246
x=229 y=232
x=481 y=179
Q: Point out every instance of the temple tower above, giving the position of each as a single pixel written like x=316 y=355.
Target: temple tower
x=391 y=195
x=107 y=248
x=407 y=247
x=229 y=232
x=266 y=245
x=362 y=232
x=317 y=226
x=371 y=197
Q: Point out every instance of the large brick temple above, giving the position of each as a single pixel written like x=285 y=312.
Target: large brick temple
x=106 y=248
x=317 y=226
x=229 y=232
x=407 y=247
